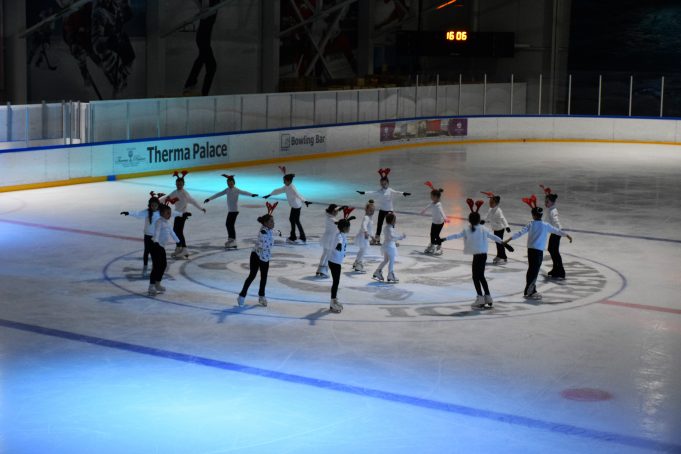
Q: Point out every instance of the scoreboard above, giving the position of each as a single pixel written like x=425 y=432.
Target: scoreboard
x=456 y=43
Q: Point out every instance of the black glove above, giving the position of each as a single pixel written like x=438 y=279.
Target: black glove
x=266 y=196
x=186 y=215
x=482 y=222
x=339 y=247
x=307 y=204
x=124 y=213
x=254 y=195
x=508 y=229
x=344 y=207
x=439 y=241
x=406 y=194
x=508 y=247
x=361 y=192
x=351 y=218
x=206 y=201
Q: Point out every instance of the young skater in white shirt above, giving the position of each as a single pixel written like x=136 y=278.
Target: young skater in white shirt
x=498 y=224
x=438 y=220
x=181 y=199
x=364 y=236
x=384 y=200
x=295 y=200
x=163 y=234
x=475 y=238
x=389 y=249
x=536 y=231
x=232 y=193
x=260 y=257
x=337 y=256
x=557 y=270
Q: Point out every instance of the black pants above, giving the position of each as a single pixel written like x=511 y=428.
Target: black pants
x=554 y=250
x=148 y=244
x=501 y=250
x=379 y=224
x=335 y=269
x=479 y=261
x=294 y=217
x=534 y=259
x=178 y=228
x=255 y=265
x=435 y=230
x=229 y=223
x=158 y=263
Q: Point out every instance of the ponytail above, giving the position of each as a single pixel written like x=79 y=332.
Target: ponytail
x=474 y=219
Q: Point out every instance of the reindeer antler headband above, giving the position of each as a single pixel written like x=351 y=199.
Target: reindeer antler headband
x=531 y=201
x=384 y=172
x=176 y=174
x=271 y=207
x=347 y=211
x=229 y=177
x=477 y=204
x=155 y=195
x=547 y=191
x=491 y=195
x=430 y=185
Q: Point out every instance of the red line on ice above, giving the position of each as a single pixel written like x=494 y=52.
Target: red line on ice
x=643 y=306
x=70 y=230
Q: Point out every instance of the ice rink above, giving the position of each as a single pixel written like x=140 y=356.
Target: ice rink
x=89 y=363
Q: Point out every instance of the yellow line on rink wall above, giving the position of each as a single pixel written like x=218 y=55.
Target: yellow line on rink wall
x=325 y=155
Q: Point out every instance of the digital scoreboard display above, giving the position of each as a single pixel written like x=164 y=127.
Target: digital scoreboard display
x=456 y=43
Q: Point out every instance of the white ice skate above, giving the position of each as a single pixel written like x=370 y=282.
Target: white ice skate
x=230 y=244
x=479 y=303
x=159 y=288
x=322 y=272
x=430 y=249
x=152 y=290
x=534 y=296
x=378 y=275
x=262 y=300
x=177 y=250
x=392 y=278
x=290 y=241
x=489 y=302
x=438 y=250
x=358 y=267
x=241 y=301
x=335 y=307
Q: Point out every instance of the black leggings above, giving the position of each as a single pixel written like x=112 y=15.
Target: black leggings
x=501 y=250
x=229 y=223
x=294 y=217
x=158 y=263
x=178 y=228
x=435 y=230
x=379 y=224
x=148 y=244
x=479 y=261
x=534 y=259
x=255 y=265
x=554 y=250
x=335 y=269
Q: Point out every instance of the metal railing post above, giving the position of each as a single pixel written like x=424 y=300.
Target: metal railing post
x=569 y=101
x=267 y=111
x=631 y=91
x=9 y=122
x=416 y=97
x=511 y=106
x=358 y=105
x=186 y=117
x=541 y=78
x=158 y=118
x=43 y=116
x=458 y=109
x=314 y=108
x=241 y=113
x=662 y=96
x=336 y=106
x=28 y=119
x=127 y=120
x=397 y=103
x=437 y=89
x=290 y=106
x=63 y=121
x=484 y=95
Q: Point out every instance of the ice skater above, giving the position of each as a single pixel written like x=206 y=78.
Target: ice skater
x=260 y=256
x=181 y=198
x=389 y=249
x=537 y=231
x=498 y=223
x=232 y=193
x=328 y=240
x=438 y=221
x=295 y=200
x=475 y=238
x=163 y=234
x=337 y=256
x=557 y=271
x=364 y=236
x=385 y=196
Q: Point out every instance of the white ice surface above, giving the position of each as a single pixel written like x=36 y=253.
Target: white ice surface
x=89 y=363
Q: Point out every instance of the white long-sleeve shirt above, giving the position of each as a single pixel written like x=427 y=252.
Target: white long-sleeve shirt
x=384 y=198
x=495 y=218
x=337 y=256
x=439 y=216
x=553 y=218
x=537 y=232
x=390 y=236
x=163 y=232
x=475 y=242
x=292 y=195
x=232 y=197
x=149 y=225
x=365 y=230
x=263 y=244
x=328 y=240
x=183 y=199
